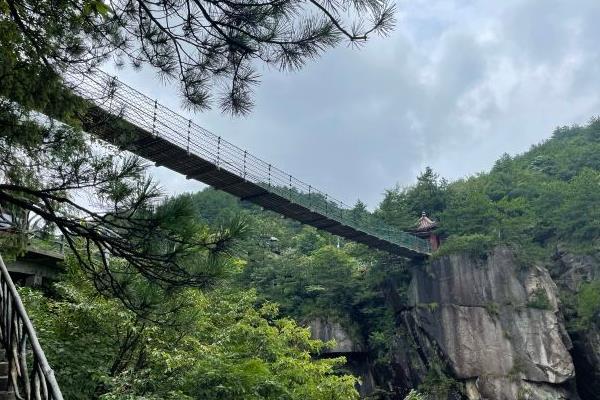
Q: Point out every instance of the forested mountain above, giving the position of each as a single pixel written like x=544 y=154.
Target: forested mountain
x=540 y=198
x=241 y=339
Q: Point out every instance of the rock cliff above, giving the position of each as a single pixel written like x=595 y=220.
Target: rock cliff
x=496 y=324
x=570 y=272
x=327 y=330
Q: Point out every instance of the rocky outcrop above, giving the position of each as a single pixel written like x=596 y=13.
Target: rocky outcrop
x=496 y=324
x=327 y=330
x=571 y=271
x=487 y=387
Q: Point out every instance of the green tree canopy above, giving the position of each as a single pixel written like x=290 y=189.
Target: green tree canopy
x=403 y=206
x=222 y=344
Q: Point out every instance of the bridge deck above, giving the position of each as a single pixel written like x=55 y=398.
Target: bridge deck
x=128 y=119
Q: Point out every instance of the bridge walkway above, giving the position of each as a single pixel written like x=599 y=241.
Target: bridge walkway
x=127 y=118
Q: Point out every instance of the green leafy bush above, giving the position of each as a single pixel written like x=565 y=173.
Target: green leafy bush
x=414 y=395
x=588 y=303
x=539 y=299
x=477 y=245
x=221 y=344
x=493 y=309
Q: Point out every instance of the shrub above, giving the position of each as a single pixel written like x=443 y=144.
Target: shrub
x=493 y=309
x=588 y=303
x=539 y=299
x=414 y=395
x=477 y=245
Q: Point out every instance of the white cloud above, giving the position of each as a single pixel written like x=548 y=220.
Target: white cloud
x=456 y=85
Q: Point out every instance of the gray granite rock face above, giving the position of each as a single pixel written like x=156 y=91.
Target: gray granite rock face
x=501 y=388
x=327 y=330
x=357 y=361
x=497 y=324
x=571 y=271
x=574 y=270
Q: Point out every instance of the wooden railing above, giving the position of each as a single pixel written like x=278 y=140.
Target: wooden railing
x=29 y=375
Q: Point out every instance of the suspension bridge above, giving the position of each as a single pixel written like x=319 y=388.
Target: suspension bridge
x=133 y=121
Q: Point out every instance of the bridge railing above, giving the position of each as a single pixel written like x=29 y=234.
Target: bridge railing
x=119 y=99
x=29 y=374
x=22 y=241
x=52 y=243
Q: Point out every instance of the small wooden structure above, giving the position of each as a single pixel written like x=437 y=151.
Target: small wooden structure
x=41 y=259
x=426 y=228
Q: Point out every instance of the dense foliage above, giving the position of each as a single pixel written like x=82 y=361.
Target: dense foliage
x=545 y=196
x=588 y=304
x=306 y=273
x=313 y=274
x=222 y=344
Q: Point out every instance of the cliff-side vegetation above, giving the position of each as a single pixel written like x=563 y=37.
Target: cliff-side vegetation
x=536 y=200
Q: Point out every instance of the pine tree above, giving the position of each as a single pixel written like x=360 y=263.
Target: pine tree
x=210 y=48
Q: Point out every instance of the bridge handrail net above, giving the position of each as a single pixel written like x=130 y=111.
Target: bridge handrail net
x=117 y=98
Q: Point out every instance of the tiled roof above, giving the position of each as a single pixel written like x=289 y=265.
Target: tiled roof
x=424 y=223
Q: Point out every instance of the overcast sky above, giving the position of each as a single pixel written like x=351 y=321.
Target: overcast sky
x=457 y=84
